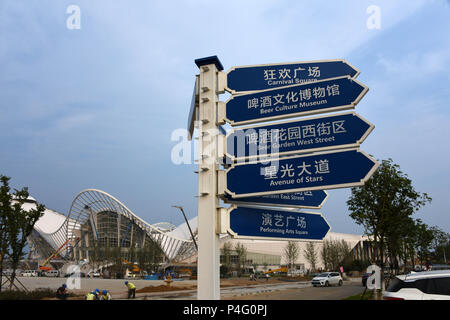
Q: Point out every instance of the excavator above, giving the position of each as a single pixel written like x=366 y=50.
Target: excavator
x=185 y=273
x=282 y=269
x=134 y=267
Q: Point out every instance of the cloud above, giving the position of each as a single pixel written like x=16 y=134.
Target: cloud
x=417 y=64
x=74 y=121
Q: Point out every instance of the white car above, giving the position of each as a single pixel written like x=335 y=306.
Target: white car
x=95 y=274
x=51 y=273
x=29 y=273
x=326 y=279
x=426 y=285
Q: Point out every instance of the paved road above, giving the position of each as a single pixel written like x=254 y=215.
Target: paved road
x=348 y=289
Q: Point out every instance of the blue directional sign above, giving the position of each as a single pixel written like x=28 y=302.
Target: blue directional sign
x=297 y=100
x=306 y=199
x=324 y=170
x=264 y=223
x=261 y=77
x=283 y=138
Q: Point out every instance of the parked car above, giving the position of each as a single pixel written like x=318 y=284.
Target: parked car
x=29 y=273
x=425 y=285
x=8 y=272
x=51 y=273
x=94 y=274
x=326 y=279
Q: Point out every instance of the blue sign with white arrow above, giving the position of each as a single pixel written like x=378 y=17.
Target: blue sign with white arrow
x=324 y=170
x=262 y=77
x=283 y=138
x=297 y=100
x=306 y=199
x=264 y=223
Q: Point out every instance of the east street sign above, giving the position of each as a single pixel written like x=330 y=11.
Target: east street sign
x=306 y=199
x=297 y=100
x=318 y=171
x=344 y=130
x=267 y=76
x=276 y=224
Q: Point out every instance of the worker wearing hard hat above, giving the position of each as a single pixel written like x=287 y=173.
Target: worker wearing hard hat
x=131 y=289
x=105 y=295
x=90 y=296
x=61 y=292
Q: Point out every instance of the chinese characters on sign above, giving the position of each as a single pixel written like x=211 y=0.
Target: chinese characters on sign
x=296 y=132
x=304 y=199
x=262 y=77
x=276 y=223
x=296 y=100
x=325 y=170
x=278 y=220
x=291 y=73
x=299 y=136
x=294 y=96
x=287 y=170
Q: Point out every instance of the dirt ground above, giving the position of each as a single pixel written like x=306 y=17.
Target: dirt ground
x=233 y=282
x=160 y=286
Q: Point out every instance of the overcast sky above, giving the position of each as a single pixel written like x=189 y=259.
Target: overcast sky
x=95 y=107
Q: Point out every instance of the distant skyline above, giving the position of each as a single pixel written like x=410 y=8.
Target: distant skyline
x=94 y=105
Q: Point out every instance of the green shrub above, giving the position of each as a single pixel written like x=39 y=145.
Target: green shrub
x=37 y=294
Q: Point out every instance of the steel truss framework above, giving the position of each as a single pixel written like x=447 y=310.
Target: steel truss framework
x=91 y=202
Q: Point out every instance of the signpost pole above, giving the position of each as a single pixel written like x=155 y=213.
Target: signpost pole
x=208 y=283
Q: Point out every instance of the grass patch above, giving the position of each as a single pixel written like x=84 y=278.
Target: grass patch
x=38 y=294
x=368 y=295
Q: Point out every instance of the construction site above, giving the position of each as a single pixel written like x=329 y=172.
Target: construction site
x=100 y=238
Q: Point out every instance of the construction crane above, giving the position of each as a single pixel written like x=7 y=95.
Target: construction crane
x=43 y=267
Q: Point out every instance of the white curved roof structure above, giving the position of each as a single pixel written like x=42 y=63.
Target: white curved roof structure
x=175 y=243
x=49 y=224
x=56 y=228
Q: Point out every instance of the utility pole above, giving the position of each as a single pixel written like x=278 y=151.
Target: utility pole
x=208 y=284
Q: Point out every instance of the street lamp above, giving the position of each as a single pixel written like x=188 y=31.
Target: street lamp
x=192 y=235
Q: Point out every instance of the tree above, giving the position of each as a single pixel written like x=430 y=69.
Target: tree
x=383 y=205
x=5 y=207
x=226 y=252
x=19 y=223
x=424 y=239
x=241 y=253
x=406 y=236
x=310 y=254
x=333 y=253
x=149 y=256
x=439 y=244
x=291 y=253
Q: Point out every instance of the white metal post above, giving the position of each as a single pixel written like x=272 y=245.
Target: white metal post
x=208 y=279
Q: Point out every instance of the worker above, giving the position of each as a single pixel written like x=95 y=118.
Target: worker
x=61 y=292
x=131 y=289
x=105 y=295
x=90 y=296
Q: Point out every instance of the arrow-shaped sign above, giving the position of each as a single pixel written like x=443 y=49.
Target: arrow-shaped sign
x=267 y=76
x=345 y=130
x=276 y=224
x=307 y=199
x=324 y=170
x=297 y=100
